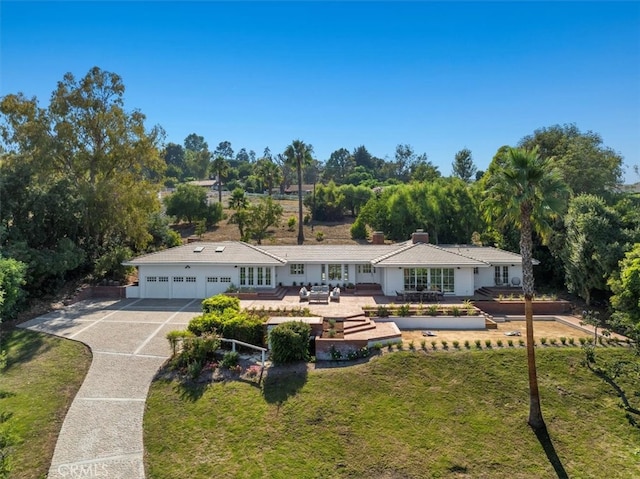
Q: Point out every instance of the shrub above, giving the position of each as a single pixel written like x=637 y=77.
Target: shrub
x=487 y=343
x=478 y=344
x=175 y=336
x=467 y=344
x=383 y=311
x=220 y=302
x=510 y=342
x=572 y=341
x=291 y=223
x=412 y=346
x=553 y=341
x=194 y=369
x=456 y=344
x=290 y=342
x=543 y=341
x=197 y=349
x=455 y=310
x=434 y=345
x=445 y=344
x=359 y=229
x=230 y=359
x=399 y=345
x=432 y=310
x=231 y=324
x=336 y=354
x=521 y=342
x=423 y=344
x=404 y=310
x=319 y=236
x=499 y=343
x=563 y=340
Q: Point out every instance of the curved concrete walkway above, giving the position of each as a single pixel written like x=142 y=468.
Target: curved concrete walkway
x=101 y=435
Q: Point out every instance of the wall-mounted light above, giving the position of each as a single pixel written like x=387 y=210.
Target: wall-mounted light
x=235 y=266
x=187 y=267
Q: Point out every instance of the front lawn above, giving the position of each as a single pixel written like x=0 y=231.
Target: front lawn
x=404 y=414
x=42 y=376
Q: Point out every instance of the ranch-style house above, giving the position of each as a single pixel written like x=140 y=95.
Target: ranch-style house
x=203 y=269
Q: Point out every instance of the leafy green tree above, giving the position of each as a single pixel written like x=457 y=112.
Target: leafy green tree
x=593 y=245
x=355 y=197
x=12 y=280
x=362 y=157
x=358 y=176
x=298 y=155
x=264 y=215
x=625 y=285
x=326 y=203
x=463 y=166
x=224 y=150
x=108 y=158
x=425 y=171
x=527 y=192
x=587 y=166
x=174 y=157
x=220 y=167
x=338 y=166
x=187 y=202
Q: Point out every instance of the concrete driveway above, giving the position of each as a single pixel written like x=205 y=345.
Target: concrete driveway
x=102 y=433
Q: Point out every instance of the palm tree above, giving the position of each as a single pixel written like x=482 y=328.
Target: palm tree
x=268 y=172
x=528 y=192
x=298 y=155
x=220 y=167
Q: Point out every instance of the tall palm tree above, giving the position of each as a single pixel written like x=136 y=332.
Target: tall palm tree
x=528 y=192
x=220 y=166
x=298 y=155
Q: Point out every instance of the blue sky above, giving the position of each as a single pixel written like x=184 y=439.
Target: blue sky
x=437 y=76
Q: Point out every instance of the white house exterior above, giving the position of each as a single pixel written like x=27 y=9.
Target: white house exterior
x=203 y=269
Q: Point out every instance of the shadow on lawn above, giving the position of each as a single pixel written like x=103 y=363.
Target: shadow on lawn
x=283 y=385
x=22 y=346
x=546 y=443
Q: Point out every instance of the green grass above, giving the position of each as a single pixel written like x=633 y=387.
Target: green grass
x=42 y=376
x=405 y=414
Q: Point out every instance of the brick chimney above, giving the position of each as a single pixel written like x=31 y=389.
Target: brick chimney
x=377 y=237
x=420 y=236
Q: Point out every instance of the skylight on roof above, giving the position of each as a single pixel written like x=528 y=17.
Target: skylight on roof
x=198 y=249
x=219 y=249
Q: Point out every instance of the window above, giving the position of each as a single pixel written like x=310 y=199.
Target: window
x=260 y=276
x=345 y=276
x=151 y=279
x=335 y=272
x=296 y=268
x=364 y=268
x=225 y=279
x=267 y=276
x=178 y=279
x=476 y=270
x=501 y=275
x=416 y=279
x=190 y=279
x=443 y=279
x=163 y=279
x=243 y=276
x=212 y=279
x=250 y=275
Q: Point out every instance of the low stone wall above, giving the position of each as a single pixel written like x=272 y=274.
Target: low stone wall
x=436 y=322
x=510 y=308
x=323 y=347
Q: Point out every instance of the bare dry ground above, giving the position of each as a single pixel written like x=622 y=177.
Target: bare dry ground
x=542 y=329
x=333 y=232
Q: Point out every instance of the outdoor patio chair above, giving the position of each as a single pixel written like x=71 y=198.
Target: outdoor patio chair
x=305 y=294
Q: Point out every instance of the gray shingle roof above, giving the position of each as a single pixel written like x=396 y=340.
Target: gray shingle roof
x=487 y=254
x=399 y=254
x=421 y=254
x=229 y=252
x=347 y=253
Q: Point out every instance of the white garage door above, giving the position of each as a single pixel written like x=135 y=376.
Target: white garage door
x=184 y=287
x=215 y=286
x=156 y=287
